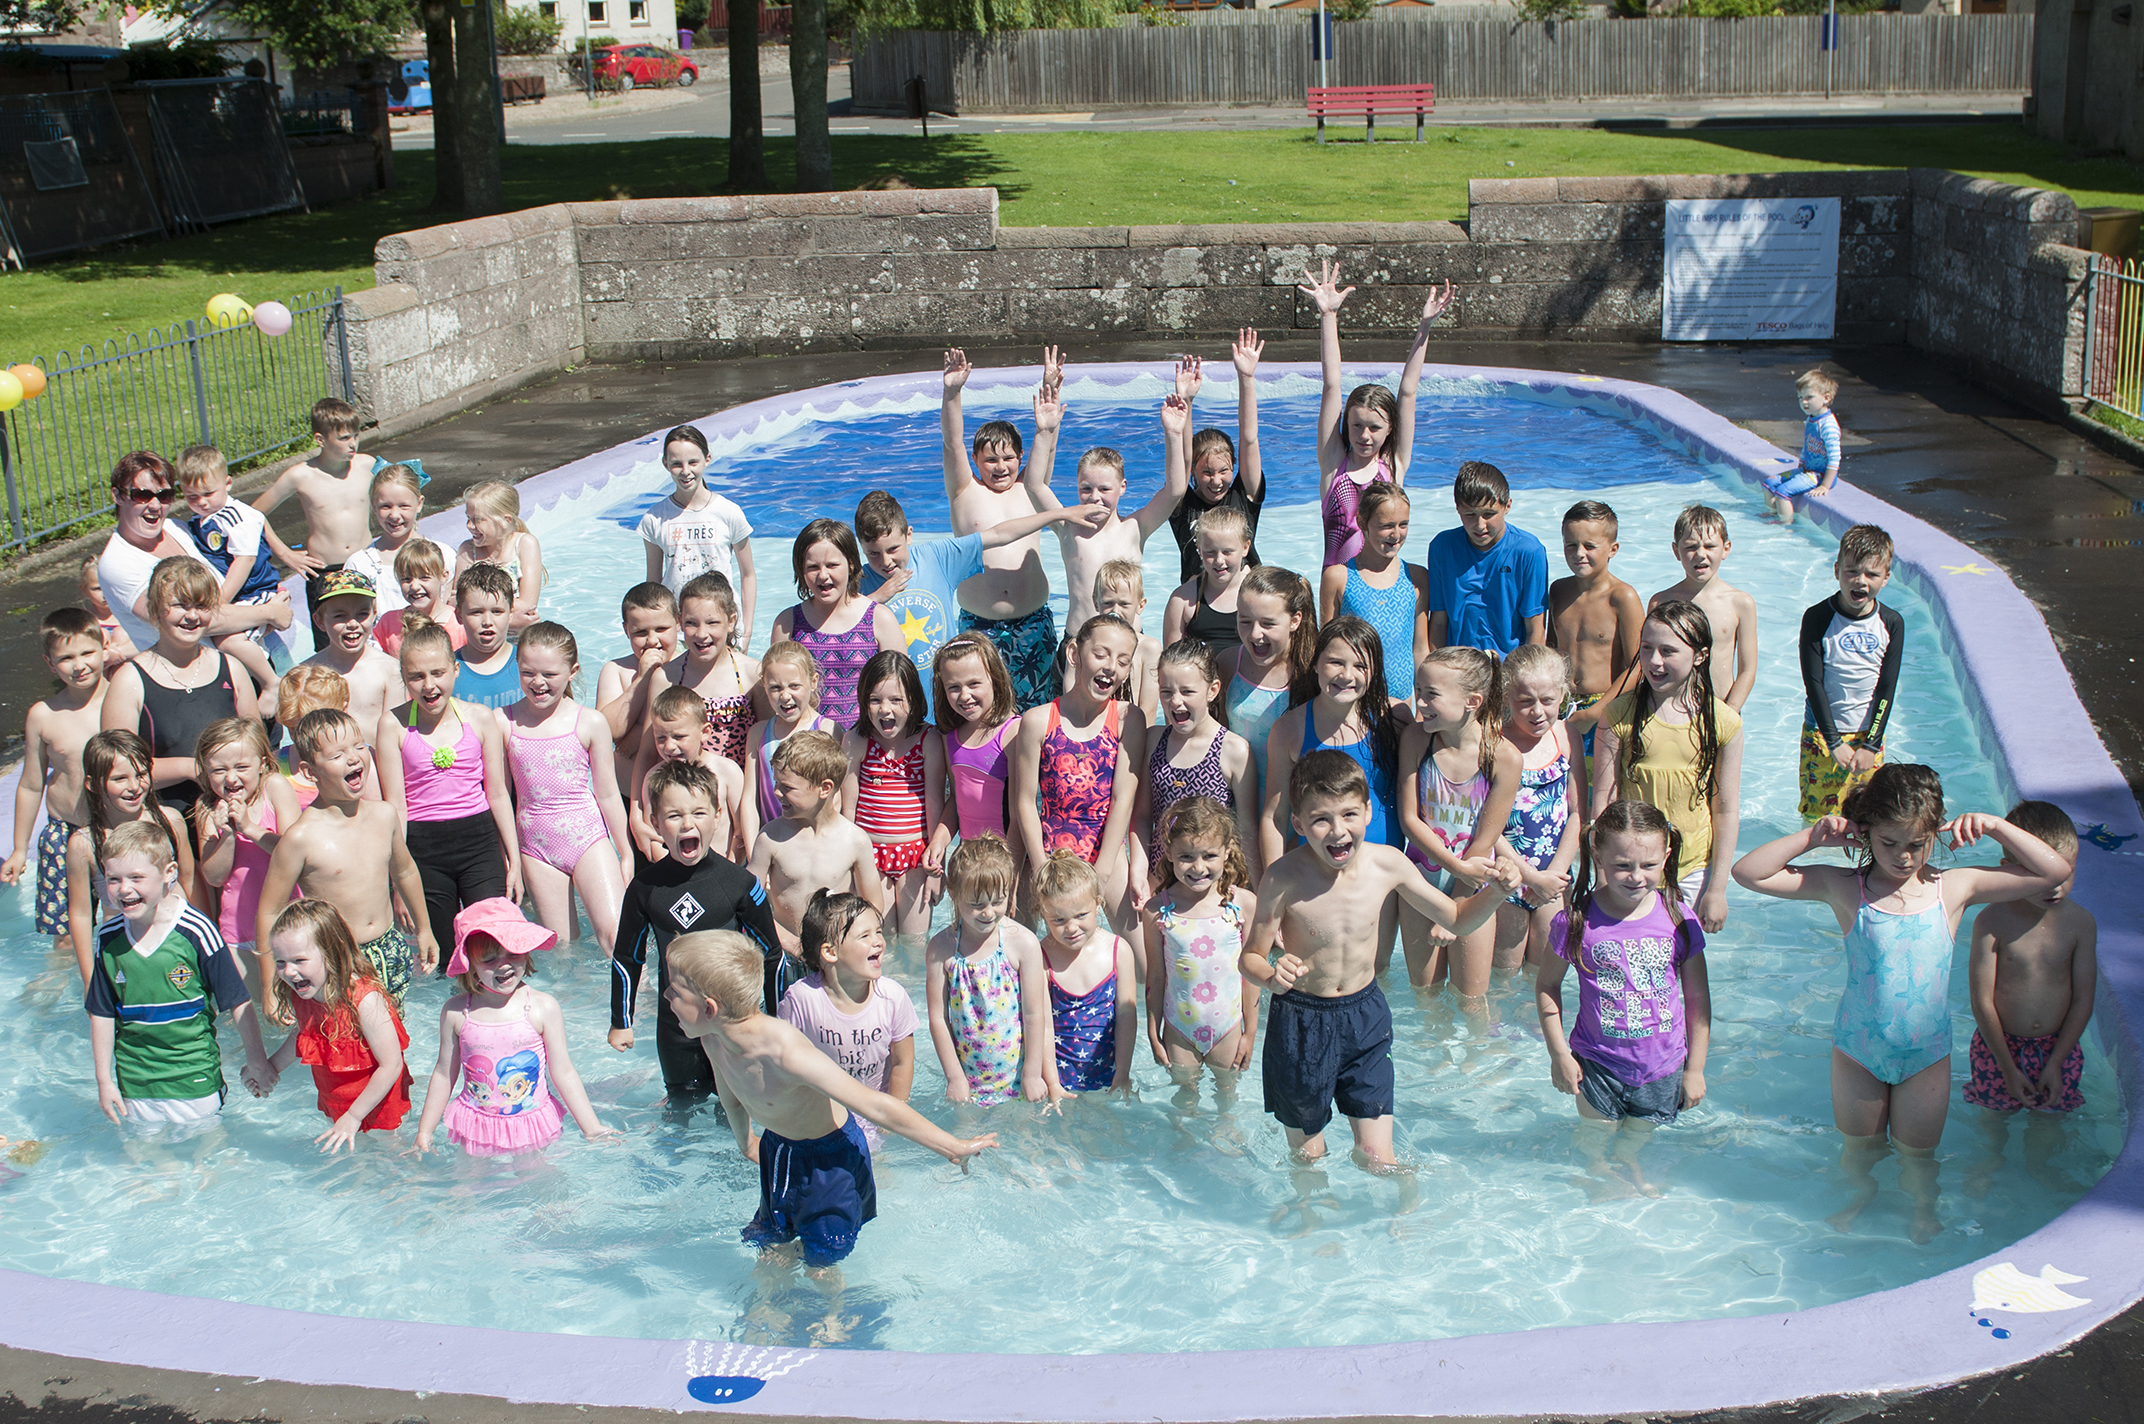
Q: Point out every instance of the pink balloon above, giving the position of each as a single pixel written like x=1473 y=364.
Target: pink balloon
x=272 y=318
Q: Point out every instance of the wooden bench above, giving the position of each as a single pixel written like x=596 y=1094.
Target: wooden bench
x=1370 y=100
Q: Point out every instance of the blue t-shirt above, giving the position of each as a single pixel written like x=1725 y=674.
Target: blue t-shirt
x=1486 y=595
x=492 y=689
x=928 y=608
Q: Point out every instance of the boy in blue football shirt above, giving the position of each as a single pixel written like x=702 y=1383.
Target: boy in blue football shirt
x=1488 y=582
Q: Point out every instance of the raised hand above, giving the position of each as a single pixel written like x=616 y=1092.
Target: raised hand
x=1053 y=368
x=1440 y=300
x=1190 y=375
x=1324 y=289
x=1968 y=828
x=1049 y=407
x=957 y=369
x=1246 y=352
x=1175 y=415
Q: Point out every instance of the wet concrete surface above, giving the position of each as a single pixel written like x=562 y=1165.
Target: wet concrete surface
x=2057 y=512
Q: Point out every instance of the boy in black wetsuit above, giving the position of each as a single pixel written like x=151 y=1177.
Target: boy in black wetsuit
x=691 y=888
x=1852 y=647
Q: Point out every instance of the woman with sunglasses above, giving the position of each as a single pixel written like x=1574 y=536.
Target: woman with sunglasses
x=144 y=488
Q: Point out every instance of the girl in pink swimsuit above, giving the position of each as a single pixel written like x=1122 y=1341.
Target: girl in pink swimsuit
x=242 y=808
x=566 y=791
x=896 y=787
x=838 y=626
x=1370 y=437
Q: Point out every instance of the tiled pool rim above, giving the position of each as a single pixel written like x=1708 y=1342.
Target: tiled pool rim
x=1914 y=1337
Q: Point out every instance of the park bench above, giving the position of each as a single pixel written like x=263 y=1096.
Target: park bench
x=1370 y=100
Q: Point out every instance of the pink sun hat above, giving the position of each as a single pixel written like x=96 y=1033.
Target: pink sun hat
x=498 y=919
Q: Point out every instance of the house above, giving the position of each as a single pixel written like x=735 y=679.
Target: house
x=605 y=22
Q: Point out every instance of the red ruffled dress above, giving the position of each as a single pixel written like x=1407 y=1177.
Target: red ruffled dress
x=342 y=1061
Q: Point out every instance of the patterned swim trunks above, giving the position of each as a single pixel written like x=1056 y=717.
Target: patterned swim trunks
x=894 y=861
x=52 y=877
x=1986 y=1088
x=1826 y=784
x=392 y=958
x=1028 y=644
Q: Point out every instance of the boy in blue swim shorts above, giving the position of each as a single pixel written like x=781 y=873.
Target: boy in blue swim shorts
x=1329 y=1034
x=1819 y=467
x=815 y=1185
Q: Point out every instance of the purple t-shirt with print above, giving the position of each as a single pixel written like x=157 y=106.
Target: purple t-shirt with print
x=862 y=1044
x=1630 y=1014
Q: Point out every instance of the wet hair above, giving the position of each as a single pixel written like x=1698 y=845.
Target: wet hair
x=1376 y=398
x=1479 y=482
x=1000 y=432
x=308 y=687
x=316 y=727
x=690 y=434
x=555 y=636
x=1194 y=653
x=1064 y=875
x=647 y=598
x=483 y=578
x=63 y=623
x=398 y=474
x=823 y=531
x=152 y=843
x=198 y=464
x=1212 y=438
x=1690 y=625
x=421 y=558
x=1375 y=705
x=1529 y=662
x=792 y=653
x=421 y=635
x=713 y=587
x=815 y=756
x=1120 y=576
x=721 y=966
x=892 y=663
x=826 y=923
x=334 y=417
x=1864 y=541
x=688 y=775
x=1699 y=519
x=142 y=462
x=674 y=702
x=1620 y=818
x=1592 y=511
x=1375 y=496
x=981 y=867
x=1293 y=590
x=1222 y=519
x=100 y=756
x=495 y=500
x=1478 y=672
x=2048 y=823
x=1104 y=456
x=183 y=582
x=879 y=514
x=1902 y=792
x=1325 y=774
x=1203 y=820
x=325 y=929
x=1816 y=380
x=214 y=738
x=1004 y=698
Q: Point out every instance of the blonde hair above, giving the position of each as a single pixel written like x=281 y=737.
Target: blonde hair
x=720 y=965
x=185 y=582
x=422 y=635
x=1063 y=875
x=1120 y=576
x=401 y=475
x=308 y=687
x=150 y=841
x=420 y=558
x=1530 y=662
x=329 y=933
x=198 y=464
x=1816 y=380
x=791 y=653
x=981 y=868
x=495 y=500
x=1219 y=520
x=1477 y=672
x=214 y=738
x=816 y=756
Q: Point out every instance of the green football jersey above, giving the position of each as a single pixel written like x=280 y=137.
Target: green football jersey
x=165 y=998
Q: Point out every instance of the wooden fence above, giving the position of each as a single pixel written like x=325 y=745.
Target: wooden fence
x=1050 y=70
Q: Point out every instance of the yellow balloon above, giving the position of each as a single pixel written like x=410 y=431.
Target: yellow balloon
x=10 y=391
x=32 y=378
x=229 y=309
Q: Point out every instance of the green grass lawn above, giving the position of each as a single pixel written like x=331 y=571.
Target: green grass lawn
x=1051 y=179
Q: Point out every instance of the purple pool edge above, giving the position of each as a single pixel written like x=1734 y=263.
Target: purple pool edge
x=1915 y=1337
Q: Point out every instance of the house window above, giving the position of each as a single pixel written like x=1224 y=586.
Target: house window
x=598 y=12
x=548 y=9
x=637 y=11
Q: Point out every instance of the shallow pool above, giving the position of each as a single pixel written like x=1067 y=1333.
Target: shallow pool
x=1126 y=1226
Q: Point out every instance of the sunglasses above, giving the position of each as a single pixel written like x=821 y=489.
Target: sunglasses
x=136 y=495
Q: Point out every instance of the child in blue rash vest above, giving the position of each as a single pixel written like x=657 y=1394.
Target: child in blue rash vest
x=484 y=604
x=1852 y=647
x=690 y=888
x=1818 y=469
x=1488 y=582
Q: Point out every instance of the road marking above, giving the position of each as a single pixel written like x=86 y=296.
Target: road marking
x=593 y=135
x=673 y=133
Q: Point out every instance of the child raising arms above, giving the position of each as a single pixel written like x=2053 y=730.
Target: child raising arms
x=1200 y=1007
x=895 y=789
x=987 y=985
x=348 y=1031
x=1890 y=1059
x=1217 y=481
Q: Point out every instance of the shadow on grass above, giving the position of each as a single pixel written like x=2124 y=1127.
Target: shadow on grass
x=695 y=167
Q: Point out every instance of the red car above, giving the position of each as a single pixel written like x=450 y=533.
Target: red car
x=626 y=66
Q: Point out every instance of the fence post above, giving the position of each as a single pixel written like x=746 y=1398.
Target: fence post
x=193 y=359
x=2091 y=321
x=7 y=469
x=342 y=347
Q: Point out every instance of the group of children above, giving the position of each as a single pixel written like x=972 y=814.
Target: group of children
x=1457 y=757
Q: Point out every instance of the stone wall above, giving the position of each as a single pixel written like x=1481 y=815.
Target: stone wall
x=1966 y=268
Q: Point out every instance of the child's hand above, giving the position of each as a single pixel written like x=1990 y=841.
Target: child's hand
x=751 y=1148
x=109 y=1102
x=603 y=1132
x=962 y=1151
x=302 y=562
x=343 y=1133
x=1476 y=870
x=1865 y=758
x=1565 y=1072
x=1244 y=1042
x=1153 y=1041
x=622 y=1039
x=1822 y=491
x=1053 y=369
x=1324 y=290
x=1094 y=516
x=1832 y=831
x=956 y=1089
x=424 y=1144
x=1246 y=351
x=1968 y=828
x=1693 y=1086
x=427 y=950
x=957 y=370
x=1049 y=408
x=2024 y=1089
x=895 y=582
x=1190 y=375
x=2049 y=1083
x=1440 y=298
x=513 y=880
x=1712 y=909
x=11 y=868
x=1175 y=416
x=1286 y=970
x=1506 y=874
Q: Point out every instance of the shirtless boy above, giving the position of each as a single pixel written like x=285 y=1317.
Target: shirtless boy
x=349 y=852
x=1009 y=601
x=1702 y=546
x=811 y=845
x=53 y=736
x=347 y=606
x=1593 y=616
x=1329 y=1037
x=1101 y=481
x=806 y=1105
x=334 y=489
x=623 y=687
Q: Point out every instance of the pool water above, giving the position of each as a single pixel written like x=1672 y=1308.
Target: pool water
x=1145 y=1225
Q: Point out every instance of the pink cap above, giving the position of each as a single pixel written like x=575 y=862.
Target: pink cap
x=499 y=919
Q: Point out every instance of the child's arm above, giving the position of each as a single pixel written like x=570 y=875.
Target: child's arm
x=219 y=845
x=1554 y=880
x=1157 y=982
x=1564 y=1069
x=602 y=761
x=747 y=594
x=82 y=903
x=933 y=800
x=1828 y=431
x=959 y=477
x=410 y=883
x=622 y=698
x=1726 y=811
x=1607 y=756
x=934 y=987
x=1696 y=1027
x=748 y=813
x=1326 y=295
x=285 y=866
x=491 y=734
x=286 y=1054
x=1332 y=586
x=1127 y=1016
x=234 y=578
x=733 y=1108
x=1190 y=375
x=1419 y=576
x=1247 y=909
x=1815 y=621
x=863 y=872
x=1177 y=611
x=856 y=746
x=1042 y=460
x=1745 y=653
x=530 y=587
x=1038 y=1058
x=626 y=959
x=1885 y=696
x=1465 y=916
x=296 y=560
x=1120 y=838
x=2084 y=979
x=1026 y=785
x=175 y=825
x=377 y=1022
x=564 y=1076
x=1175 y=470
x=444 y=1072
x=1243 y=798
x=1250 y=469
x=1769 y=869
x=821 y=1072
x=1495 y=811
x=2041 y=870
x=1410 y=378
x=1981 y=970
x=103 y=1038
x=1273 y=826
x=1256 y=963
x=29 y=791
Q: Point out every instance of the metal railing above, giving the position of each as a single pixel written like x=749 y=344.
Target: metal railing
x=2114 y=335
x=244 y=392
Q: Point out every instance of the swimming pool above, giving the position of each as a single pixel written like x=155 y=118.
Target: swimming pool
x=1502 y=1242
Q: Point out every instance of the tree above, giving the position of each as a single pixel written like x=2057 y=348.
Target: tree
x=748 y=147
x=21 y=18
x=807 y=87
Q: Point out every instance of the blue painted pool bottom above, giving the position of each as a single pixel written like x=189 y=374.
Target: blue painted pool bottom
x=1316 y=1365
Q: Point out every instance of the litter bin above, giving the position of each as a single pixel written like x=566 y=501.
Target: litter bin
x=2112 y=231
x=684 y=39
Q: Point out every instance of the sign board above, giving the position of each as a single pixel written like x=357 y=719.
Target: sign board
x=1750 y=269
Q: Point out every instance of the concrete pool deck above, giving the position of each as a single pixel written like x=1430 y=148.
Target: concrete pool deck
x=1892 y=1347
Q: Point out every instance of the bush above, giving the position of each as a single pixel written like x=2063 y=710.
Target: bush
x=525 y=30
x=190 y=56
x=988 y=16
x=692 y=14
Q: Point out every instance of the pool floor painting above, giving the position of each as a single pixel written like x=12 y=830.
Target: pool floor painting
x=2031 y=1297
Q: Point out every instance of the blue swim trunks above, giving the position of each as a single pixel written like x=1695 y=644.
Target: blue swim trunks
x=1792 y=483
x=818 y=1192
x=1323 y=1052
x=52 y=876
x=1028 y=644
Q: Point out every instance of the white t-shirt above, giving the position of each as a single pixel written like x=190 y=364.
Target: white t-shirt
x=380 y=568
x=862 y=1044
x=696 y=541
x=124 y=570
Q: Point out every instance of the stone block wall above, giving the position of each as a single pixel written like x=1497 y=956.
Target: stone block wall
x=462 y=311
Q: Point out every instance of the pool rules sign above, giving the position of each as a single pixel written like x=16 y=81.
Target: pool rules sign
x=1750 y=269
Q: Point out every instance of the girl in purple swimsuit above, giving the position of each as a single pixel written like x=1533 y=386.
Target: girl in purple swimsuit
x=1194 y=753
x=838 y=626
